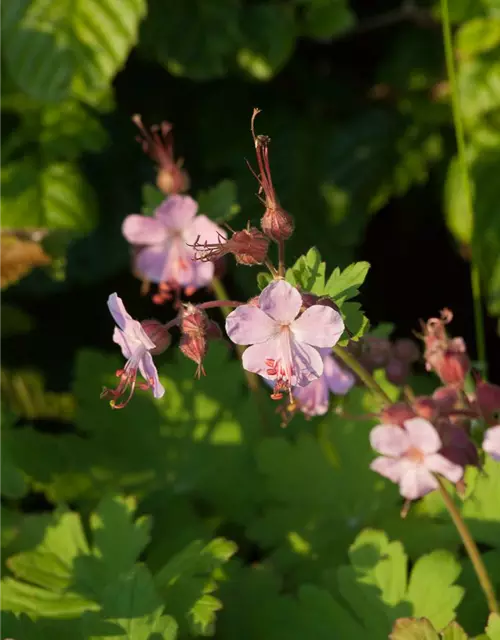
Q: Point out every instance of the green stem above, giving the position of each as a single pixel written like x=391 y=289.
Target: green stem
x=470 y=547
x=466 y=186
x=366 y=378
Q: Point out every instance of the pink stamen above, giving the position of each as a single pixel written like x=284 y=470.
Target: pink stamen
x=123 y=393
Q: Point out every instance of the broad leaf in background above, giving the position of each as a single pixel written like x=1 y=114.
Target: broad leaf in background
x=220 y=203
x=56 y=50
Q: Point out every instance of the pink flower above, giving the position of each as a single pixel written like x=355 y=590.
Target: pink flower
x=164 y=254
x=313 y=399
x=284 y=344
x=137 y=348
x=410 y=457
x=491 y=442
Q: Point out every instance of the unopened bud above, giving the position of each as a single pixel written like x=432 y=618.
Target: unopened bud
x=488 y=401
x=172 y=180
x=195 y=348
x=376 y=352
x=397 y=371
x=277 y=224
x=406 y=350
x=194 y=321
x=397 y=414
x=214 y=332
x=457 y=446
x=447 y=357
x=425 y=407
x=157 y=333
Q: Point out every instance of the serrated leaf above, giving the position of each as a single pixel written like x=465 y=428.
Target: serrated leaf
x=54 y=50
x=344 y=285
x=413 y=629
x=454 y=632
x=493 y=627
x=220 y=202
x=53 y=196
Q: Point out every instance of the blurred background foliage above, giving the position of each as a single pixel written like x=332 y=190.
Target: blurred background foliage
x=355 y=97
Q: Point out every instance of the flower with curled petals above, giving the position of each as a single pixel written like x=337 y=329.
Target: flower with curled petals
x=284 y=345
x=136 y=347
x=163 y=254
x=491 y=442
x=410 y=457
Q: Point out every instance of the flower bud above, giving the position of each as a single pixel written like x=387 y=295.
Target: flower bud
x=277 y=224
x=447 y=357
x=406 y=350
x=157 y=333
x=397 y=414
x=194 y=321
x=457 y=446
x=488 y=401
x=213 y=332
x=397 y=371
x=452 y=366
x=446 y=399
x=377 y=352
x=425 y=407
x=195 y=348
x=172 y=180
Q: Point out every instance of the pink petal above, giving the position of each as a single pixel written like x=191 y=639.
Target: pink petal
x=307 y=364
x=313 y=399
x=150 y=374
x=389 y=440
x=416 y=481
x=143 y=230
x=120 y=339
x=491 y=442
x=388 y=467
x=180 y=265
x=254 y=358
x=422 y=435
x=150 y=263
x=319 y=326
x=281 y=301
x=338 y=379
x=203 y=273
x=176 y=212
x=205 y=229
x=118 y=311
x=437 y=463
x=250 y=325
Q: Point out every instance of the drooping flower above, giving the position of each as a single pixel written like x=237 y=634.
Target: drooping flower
x=164 y=255
x=284 y=345
x=491 y=442
x=314 y=399
x=137 y=347
x=410 y=457
x=444 y=355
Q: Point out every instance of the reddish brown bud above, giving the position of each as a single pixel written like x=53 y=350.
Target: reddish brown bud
x=406 y=350
x=157 y=333
x=457 y=446
x=194 y=321
x=376 y=352
x=446 y=399
x=397 y=414
x=310 y=299
x=158 y=144
x=397 y=371
x=248 y=246
x=488 y=401
x=194 y=347
x=447 y=357
x=276 y=223
x=425 y=407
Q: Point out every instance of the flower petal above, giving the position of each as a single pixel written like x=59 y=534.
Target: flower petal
x=281 y=301
x=416 y=481
x=117 y=309
x=388 y=467
x=491 y=442
x=319 y=326
x=203 y=273
x=313 y=399
x=143 y=230
x=338 y=379
x=205 y=229
x=254 y=358
x=389 y=440
x=120 y=338
x=307 y=364
x=150 y=263
x=150 y=374
x=177 y=212
x=422 y=435
x=250 y=325
x=439 y=464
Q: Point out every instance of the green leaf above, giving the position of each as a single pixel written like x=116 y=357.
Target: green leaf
x=493 y=627
x=263 y=279
x=268 y=39
x=220 y=202
x=454 y=632
x=54 y=196
x=152 y=197
x=478 y=35
x=324 y=19
x=344 y=285
x=55 y=50
x=413 y=629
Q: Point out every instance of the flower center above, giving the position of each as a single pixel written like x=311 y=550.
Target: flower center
x=415 y=455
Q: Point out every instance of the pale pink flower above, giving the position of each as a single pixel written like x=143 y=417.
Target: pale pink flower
x=491 y=442
x=285 y=345
x=163 y=239
x=137 y=348
x=410 y=457
x=314 y=399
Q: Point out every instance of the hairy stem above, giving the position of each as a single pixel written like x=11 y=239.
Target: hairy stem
x=466 y=185
x=470 y=547
x=366 y=378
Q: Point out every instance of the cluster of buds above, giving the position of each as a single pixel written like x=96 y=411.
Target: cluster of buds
x=158 y=144
x=396 y=358
x=446 y=356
